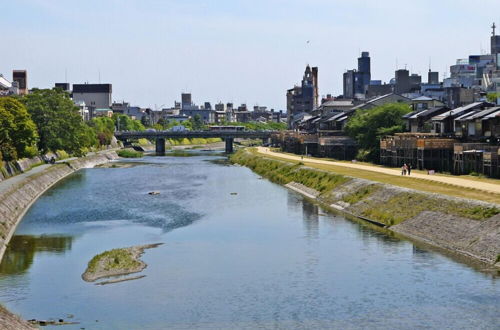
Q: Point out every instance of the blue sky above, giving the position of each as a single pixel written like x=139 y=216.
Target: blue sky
x=233 y=51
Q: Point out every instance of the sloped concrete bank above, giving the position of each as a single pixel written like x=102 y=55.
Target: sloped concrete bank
x=17 y=199
x=466 y=227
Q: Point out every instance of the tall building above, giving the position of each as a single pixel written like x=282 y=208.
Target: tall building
x=64 y=86
x=348 y=83
x=364 y=72
x=95 y=96
x=415 y=82
x=356 y=82
x=21 y=77
x=402 y=81
x=186 y=100
x=303 y=98
x=433 y=77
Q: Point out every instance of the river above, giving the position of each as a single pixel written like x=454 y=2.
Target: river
x=261 y=258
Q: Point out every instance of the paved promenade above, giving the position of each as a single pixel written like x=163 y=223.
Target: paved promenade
x=456 y=181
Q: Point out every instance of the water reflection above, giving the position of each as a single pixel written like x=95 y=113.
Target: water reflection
x=22 y=249
x=310 y=214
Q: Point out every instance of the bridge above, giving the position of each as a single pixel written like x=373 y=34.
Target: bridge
x=160 y=136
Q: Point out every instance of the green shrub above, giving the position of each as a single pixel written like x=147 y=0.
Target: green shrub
x=62 y=154
x=129 y=153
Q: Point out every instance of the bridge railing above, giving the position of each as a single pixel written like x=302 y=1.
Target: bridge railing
x=192 y=134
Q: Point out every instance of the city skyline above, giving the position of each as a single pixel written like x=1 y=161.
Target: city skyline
x=151 y=51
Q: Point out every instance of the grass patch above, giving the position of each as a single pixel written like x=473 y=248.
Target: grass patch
x=143 y=142
x=129 y=153
x=113 y=259
x=408 y=205
x=180 y=153
x=401 y=181
x=360 y=194
x=283 y=172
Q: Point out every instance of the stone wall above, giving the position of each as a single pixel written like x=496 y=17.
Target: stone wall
x=463 y=226
x=15 y=201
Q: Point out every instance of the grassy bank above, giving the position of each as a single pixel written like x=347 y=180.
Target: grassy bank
x=284 y=172
x=129 y=153
x=385 y=204
x=401 y=181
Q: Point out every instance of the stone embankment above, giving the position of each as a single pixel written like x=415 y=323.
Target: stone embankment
x=16 y=199
x=462 y=226
x=13 y=322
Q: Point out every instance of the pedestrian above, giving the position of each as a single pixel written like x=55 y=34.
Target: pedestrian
x=409 y=169
x=403 y=169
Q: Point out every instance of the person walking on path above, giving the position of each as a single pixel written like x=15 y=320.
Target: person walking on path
x=409 y=169
x=403 y=169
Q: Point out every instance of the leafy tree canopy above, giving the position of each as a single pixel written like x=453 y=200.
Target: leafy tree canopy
x=58 y=121
x=492 y=97
x=17 y=131
x=368 y=126
x=125 y=123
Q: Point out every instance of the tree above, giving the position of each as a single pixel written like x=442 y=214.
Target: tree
x=162 y=122
x=125 y=123
x=103 y=128
x=492 y=97
x=368 y=126
x=58 y=121
x=197 y=123
x=17 y=130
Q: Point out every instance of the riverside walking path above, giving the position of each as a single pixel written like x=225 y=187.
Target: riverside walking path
x=456 y=181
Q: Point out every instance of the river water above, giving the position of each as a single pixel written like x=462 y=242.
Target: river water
x=259 y=259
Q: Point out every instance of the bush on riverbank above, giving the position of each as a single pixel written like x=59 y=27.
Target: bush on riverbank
x=385 y=204
x=129 y=153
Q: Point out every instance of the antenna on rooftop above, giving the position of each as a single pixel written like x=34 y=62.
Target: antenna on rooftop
x=493 y=27
x=99 y=75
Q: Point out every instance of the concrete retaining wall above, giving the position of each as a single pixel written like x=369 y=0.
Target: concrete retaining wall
x=463 y=226
x=15 y=201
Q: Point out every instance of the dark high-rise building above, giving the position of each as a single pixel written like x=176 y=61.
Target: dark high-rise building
x=64 y=86
x=349 y=78
x=186 y=100
x=433 y=77
x=415 y=82
x=356 y=82
x=364 y=73
x=402 y=81
x=21 y=77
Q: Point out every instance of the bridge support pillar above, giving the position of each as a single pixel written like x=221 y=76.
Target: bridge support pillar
x=265 y=141
x=229 y=145
x=160 y=147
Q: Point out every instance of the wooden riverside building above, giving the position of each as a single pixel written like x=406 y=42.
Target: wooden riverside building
x=428 y=151
x=420 y=150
